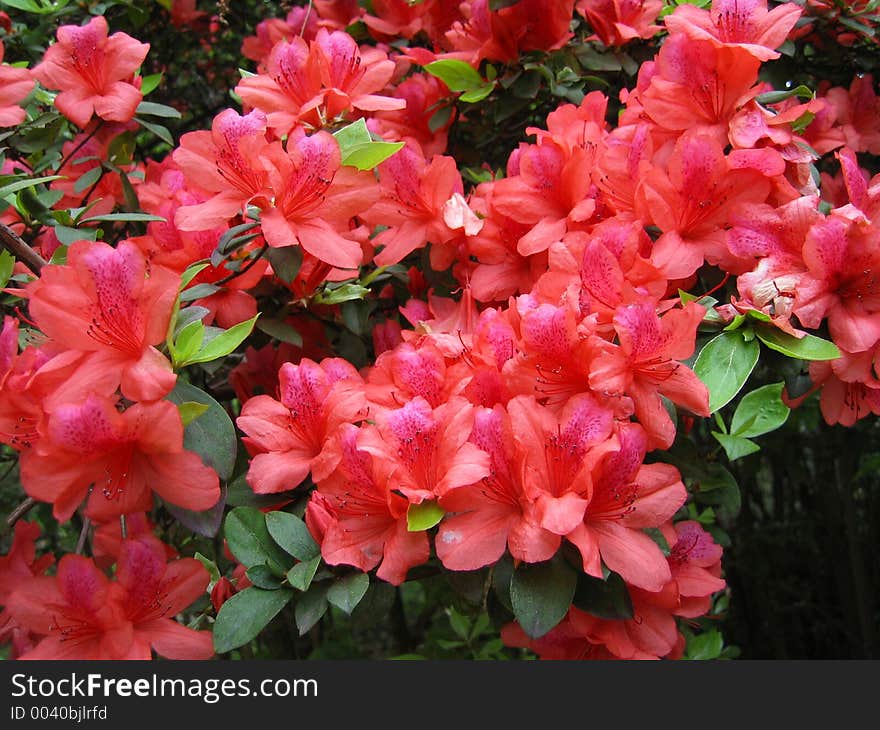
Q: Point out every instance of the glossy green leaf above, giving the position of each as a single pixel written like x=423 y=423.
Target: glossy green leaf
x=808 y=347
x=188 y=342
x=300 y=575
x=125 y=217
x=478 y=94
x=608 y=599
x=249 y=539
x=199 y=291
x=212 y=569
x=7 y=262
x=245 y=615
x=352 y=135
x=262 y=577
x=191 y=272
x=715 y=486
x=286 y=262
x=724 y=365
x=13 y=187
x=371 y=154
x=150 y=83
x=223 y=344
x=152 y=109
x=423 y=516
x=345 y=593
x=310 y=607
x=457 y=75
x=281 y=331
x=760 y=412
x=291 y=533
x=190 y=411
x=159 y=130
x=211 y=435
x=707 y=645
x=736 y=446
x=541 y=594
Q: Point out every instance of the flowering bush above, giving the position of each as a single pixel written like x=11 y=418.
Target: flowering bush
x=428 y=315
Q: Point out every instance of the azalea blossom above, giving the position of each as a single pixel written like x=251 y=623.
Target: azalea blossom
x=81 y=614
x=116 y=461
x=94 y=72
x=103 y=304
x=15 y=85
x=288 y=438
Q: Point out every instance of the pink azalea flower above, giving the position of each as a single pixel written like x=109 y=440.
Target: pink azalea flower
x=94 y=73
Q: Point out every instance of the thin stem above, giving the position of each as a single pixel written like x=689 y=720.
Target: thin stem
x=247 y=267
x=81 y=542
x=20 y=249
x=20 y=511
x=123 y=528
x=302 y=30
x=81 y=145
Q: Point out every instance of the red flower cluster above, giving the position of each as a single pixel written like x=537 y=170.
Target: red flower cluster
x=515 y=418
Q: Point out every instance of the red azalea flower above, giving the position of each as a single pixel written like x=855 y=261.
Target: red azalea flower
x=93 y=72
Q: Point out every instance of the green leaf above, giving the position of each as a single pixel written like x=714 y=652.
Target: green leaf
x=352 y=135
x=541 y=594
x=440 y=119
x=59 y=256
x=191 y=272
x=724 y=365
x=608 y=599
x=291 y=533
x=478 y=94
x=224 y=343
x=249 y=539
x=339 y=294
x=234 y=237
x=212 y=435
x=715 y=486
x=457 y=75
x=151 y=109
x=736 y=446
x=43 y=7
x=14 y=187
x=281 y=331
x=347 y=592
x=804 y=348
x=188 y=342
x=760 y=412
x=245 y=615
x=159 y=130
x=87 y=179
x=707 y=645
x=774 y=97
x=126 y=217
x=212 y=569
x=199 y=291
x=150 y=83
x=310 y=607
x=423 y=516
x=370 y=154
x=300 y=575
x=190 y=411
x=286 y=262
x=7 y=262
x=262 y=577
x=460 y=624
